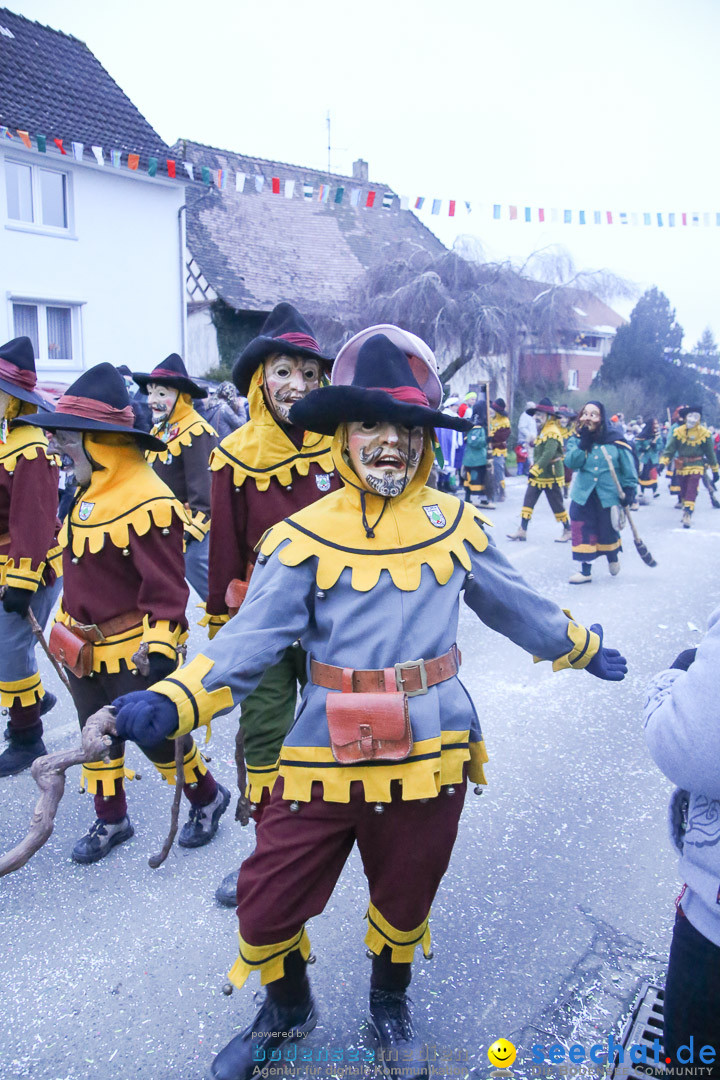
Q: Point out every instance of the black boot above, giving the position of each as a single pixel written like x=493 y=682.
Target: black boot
x=401 y=1053
x=48 y=702
x=20 y=754
x=287 y=1014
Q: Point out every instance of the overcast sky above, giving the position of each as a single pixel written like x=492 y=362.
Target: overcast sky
x=578 y=104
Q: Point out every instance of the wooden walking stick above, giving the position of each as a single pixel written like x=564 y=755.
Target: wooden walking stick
x=37 y=631
x=641 y=549
x=48 y=772
x=710 y=490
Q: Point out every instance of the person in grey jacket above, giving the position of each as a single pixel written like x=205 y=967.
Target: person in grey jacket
x=682 y=729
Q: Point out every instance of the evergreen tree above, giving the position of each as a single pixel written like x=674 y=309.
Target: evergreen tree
x=706 y=352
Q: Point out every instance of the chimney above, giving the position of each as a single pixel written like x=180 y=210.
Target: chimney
x=360 y=171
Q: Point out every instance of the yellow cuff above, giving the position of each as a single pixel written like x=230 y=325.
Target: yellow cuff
x=23 y=576
x=402 y=943
x=260 y=778
x=585 y=645
x=193 y=767
x=269 y=960
x=24 y=691
x=478 y=758
x=195 y=705
x=198 y=525
x=213 y=622
x=98 y=777
x=54 y=560
x=161 y=639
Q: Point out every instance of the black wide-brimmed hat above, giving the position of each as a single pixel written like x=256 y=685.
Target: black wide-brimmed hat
x=566 y=412
x=544 y=405
x=499 y=406
x=682 y=413
x=172 y=372
x=17 y=371
x=382 y=388
x=284 y=331
x=97 y=401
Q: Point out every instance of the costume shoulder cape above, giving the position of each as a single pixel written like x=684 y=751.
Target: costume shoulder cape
x=124 y=493
x=261 y=449
x=550 y=431
x=22 y=442
x=179 y=431
x=433 y=527
x=498 y=422
x=691 y=437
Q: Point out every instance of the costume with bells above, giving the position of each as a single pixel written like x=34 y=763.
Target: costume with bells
x=382 y=744
x=123 y=588
x=29 y=555
x=183 y=461
x=692 y=450
x=498 y=439
x=547 y=473
x=261 y=473
x=647 y=448
x=594 y=493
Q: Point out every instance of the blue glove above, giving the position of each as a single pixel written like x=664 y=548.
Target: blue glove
x=606 y=663
x=684 y=659
x=145 y=717
x=628 y=497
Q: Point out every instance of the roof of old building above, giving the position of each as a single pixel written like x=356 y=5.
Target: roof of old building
x=256 y=247
x=52 y=85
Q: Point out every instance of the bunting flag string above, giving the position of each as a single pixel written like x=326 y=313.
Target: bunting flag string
x=333 y=193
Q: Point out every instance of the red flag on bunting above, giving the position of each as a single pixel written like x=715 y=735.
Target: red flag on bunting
x=276 y=185
x=58 y=143
x=608 y=215
x=133 y=161
x=171 y=168
x=684 y=217
x=25 y=136
x=451 y=208
x=370 y=201
x=541 y=214
x=513 y=212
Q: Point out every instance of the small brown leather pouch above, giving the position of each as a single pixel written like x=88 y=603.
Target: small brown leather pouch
x=72 y=651
x=236 y=593
x=369 y=727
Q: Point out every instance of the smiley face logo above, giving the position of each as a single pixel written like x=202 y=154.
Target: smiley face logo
x=502 y=1054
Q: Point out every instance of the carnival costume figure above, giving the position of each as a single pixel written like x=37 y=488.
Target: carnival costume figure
x=674 y=481
x=594 y=513
x=124 y=596
x=30 y=560
x=692 y=449
x=382 y=745
x=498 y=439
x=182 y=463
x=547 y=473
x=264 y=472
x=647 y=449
x=475 y=458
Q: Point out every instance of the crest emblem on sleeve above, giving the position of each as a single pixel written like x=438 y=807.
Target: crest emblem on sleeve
x=323 y=481
x=435 y=515
x=85 y=510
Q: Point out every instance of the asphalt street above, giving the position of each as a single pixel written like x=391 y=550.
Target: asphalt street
x=557 y=904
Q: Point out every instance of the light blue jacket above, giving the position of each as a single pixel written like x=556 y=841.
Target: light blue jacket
x=682 y=730
x=592 y=472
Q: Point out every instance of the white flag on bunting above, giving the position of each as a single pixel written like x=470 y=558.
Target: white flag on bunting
x=240 y=181
x=78 y=149
x=289 y=189
x=98 y=152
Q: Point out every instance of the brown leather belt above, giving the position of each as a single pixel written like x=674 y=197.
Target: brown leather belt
x=412 y=677
x=97 y=632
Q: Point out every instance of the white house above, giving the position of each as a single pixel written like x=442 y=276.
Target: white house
x=91 y=248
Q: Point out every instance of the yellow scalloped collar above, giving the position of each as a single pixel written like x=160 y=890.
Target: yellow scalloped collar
x=22 y=442
x=183 y=423
x=261 y=449
x=692 y=438
x=550 y=430
x=498 y=422
x=124 y=492
x=421 y=527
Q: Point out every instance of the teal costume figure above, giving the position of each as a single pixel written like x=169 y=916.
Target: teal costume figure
x=647 y=448
x=368 y=579
x=475 y=458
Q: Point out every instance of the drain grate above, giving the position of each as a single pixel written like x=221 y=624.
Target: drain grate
x=644 y=1025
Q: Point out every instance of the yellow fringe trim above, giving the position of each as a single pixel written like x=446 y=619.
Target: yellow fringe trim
x=402 y=943
x=689 y=470
x=562 y=517
x=478 y=758
x=23 y=442
x=198 y=525
x=542 y=483
x=190 y=424
x=161 y=639
x=260 y=779
x=368 y=557
x=99 y=777
x=550 y=430
x=157 y=511
x=261 y=449
x=54 y=560
x=21 y=577
x=25 y=691
x=432 y=764
x=269 y=960
x=193 y=767
x=213 y=622
x=195 y=705
x=691 y=438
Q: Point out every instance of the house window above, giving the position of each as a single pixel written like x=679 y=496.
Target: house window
x=52 y=328
x=36 y=195
x=572 y=379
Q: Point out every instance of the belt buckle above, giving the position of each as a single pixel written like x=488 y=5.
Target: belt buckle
x=420 y=665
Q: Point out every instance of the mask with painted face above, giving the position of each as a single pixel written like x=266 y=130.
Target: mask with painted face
x=590 y=418
x=70 y=444
x=692 y=419
x=161 y=400
x=384 y=456
x=288 y=379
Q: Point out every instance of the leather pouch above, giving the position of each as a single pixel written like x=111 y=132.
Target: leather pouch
x=236 y=593
x=72 y=651
x=368 y=727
